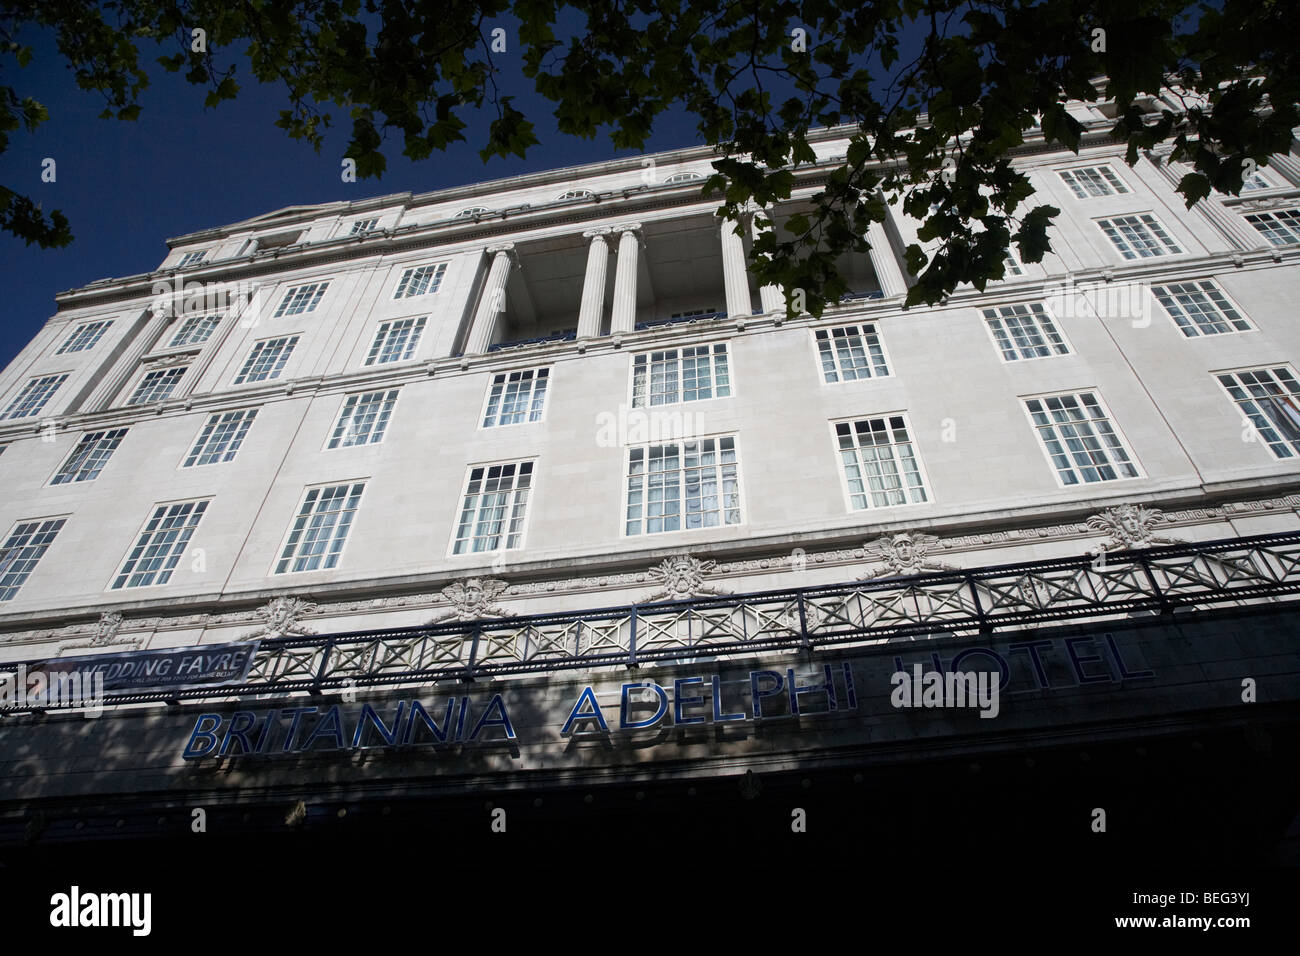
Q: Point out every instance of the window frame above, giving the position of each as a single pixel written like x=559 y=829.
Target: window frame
x=407 y=273
x=100 y=326
x=249 y=416
x=1197 y=331
x=1176 y=250
x=192 y=258
x=418 y=324
x=710 y=345
x=62 y=378
x=102 y=434
x=1124 y=188
x=119 y=580
x=285 y=541
x=491 y=383
x=1291 y=224
x=1095 y=391
x=5 y=546
x=388 y=409
x=318 y=296
x=240 y=378
x=191 y=322
x=529 y=508
x=741 y=493
x=847 y=493
x=988 y=328
x=1241 y=413
x=817 y=354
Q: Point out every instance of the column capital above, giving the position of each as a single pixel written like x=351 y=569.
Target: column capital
x=600 y=233
x=626 y=227
x=507 y=247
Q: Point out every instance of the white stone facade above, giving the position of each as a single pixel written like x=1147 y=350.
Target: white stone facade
x=593 y=276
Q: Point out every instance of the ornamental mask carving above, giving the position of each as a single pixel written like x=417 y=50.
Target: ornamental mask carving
x=1128 y=526
x=104 y=634
x=681 y=577
x=902 y=554
x=472 y=599
x=282 y=617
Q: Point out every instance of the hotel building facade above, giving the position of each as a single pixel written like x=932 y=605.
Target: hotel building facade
x=525 y=495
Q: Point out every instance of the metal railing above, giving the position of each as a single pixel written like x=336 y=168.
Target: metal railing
x=1261 y=568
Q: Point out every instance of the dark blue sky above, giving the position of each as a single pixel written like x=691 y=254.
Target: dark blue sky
x=127 y=186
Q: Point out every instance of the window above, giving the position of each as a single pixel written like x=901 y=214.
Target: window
x=33 y=397
x=494 y=508
x=89 y=457
x=1090 y=181
x=851 y=352
x=301 y=298
x=680 y=375
x=23 y=550
x=471 y=211
x=689 y=484
x=1011 y=266
x=195 y=330
x=1138 y=237
x=161 y=545
x=83 y=337
x=191 y=259
x=220 y=438
x=1281 y=227
x=574 y=194
x=683 y=178
x=363 y=225
x=363 y=419
x=395 y=341
x=1270 y=399
x=516 y=397
x=1025 y=332
x=1199 y=308
x=1254 y=182
x=321 y=528
x=157 y=386
x=267 y=359
x=420 y=280
x=1080 y=439
x=695 y=313
x=880 y=464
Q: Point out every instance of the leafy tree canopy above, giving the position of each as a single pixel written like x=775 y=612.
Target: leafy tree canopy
x=935 y=92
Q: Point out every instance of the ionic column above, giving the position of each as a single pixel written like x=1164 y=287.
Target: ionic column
x=623 y=318
x=592 y=310
x=884 y=262
x=735 y=277
x=493 y=300
x=770 y=298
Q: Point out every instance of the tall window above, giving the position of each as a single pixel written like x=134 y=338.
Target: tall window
x=363 y=419
x=1138 y=237
x=421 y=280
x=321 y=528
x=23 y=550
x=1280 y=227
x=1025 y=332
x=680 y=375
x=851 y=352
x=880 y=462
x=161 y=545
x=516 y=397
x=267 y=359
x=89 y=457
x=1255 y=182
x=395 y=341
x=83 y=337
x=495 y=505
x=34 y=396
x=683 y=485
x=1270 y=399
x=1199 y=308
x=195 y=330
x=157 y=386
x=301 y=298
x=192 y=258
x=363 y=225
x=1089 y=181
x=1079 y=438
x=220 y=438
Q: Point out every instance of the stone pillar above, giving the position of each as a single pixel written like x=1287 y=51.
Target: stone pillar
x=592 y=311
x=884 y=262
x=623 y=318
x=1287 y=166
x=769 y=296
x=492 y=302
x=735 y=276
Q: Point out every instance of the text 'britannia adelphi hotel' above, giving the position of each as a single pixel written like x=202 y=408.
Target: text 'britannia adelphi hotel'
x=487 y=432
